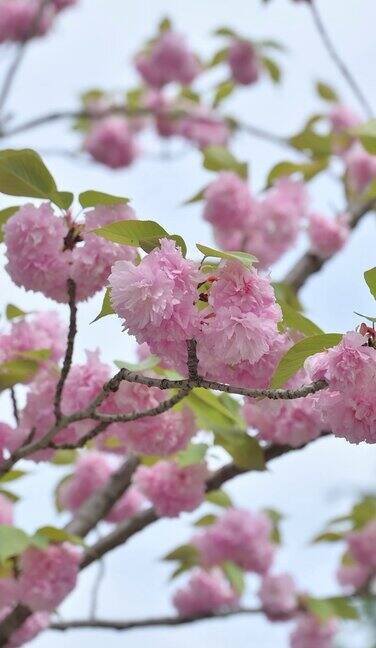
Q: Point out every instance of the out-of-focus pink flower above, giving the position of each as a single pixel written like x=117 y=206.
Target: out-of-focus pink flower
x=353 y=576
x=362 y=545
x=327 y=236
x=360 y=168
x=204 y=128
x=171 y=488
x=205 y=592
x=342 y=118
x=228 y=202
x=111 y=142
x=8 y=592
x=310 y=632
x=63 y=4
x=42 y=331
x=21 y=20
x=244 y=62
x=6 y=510
x=48 y=576
x=278 y=596
x=170 y=59
x=240 y=536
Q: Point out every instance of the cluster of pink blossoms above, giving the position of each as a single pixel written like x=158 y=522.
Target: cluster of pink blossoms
x=30 y=629
x=92 y=471
x=291 y=423
x=244 y=62
x=171 y=488
x=311 y=632
x=240 y=536
x=169 y=59
x=205 y=592
x=278 y=596
x=348 y=406
x=21 y=19
x=45 y=250
x=6 y=510
x=360 y=565
x=236 y=332
x=268 y=226
x=42 y=331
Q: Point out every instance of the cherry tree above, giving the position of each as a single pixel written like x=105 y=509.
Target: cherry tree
x=231 y=373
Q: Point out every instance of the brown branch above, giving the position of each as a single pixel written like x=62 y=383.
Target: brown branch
x=72 y=331
x=147 y=623
x=336 y=58
x=14 y=405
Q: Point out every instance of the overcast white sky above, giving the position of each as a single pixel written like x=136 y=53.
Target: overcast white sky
x=91 y=46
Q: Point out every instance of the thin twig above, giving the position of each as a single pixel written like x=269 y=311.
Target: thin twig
x=336 y=58
x=147 y=623
x=72 y=331
x=14 y=405
x=94 y=602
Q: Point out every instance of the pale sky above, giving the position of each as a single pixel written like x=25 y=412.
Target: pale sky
x=91 y=45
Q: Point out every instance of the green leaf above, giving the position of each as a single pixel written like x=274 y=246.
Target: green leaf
x=363 y=512
x=295 y=357
x=36 y=355
x=219 y=158
x=13 y=311
x=12 y=475
x=312 y=143
x=12 y=497
x=244 y=449
x=284 y=292
x=270 y=43
x=326 y=92
x=272 y=68
x=17 y=371
x=143 y=234
x=307 y=170
x=187 y=93
x=13 y=542
x=64 y=457
x=226 y=31
x=219 y=57
x=200 y=195
x=245 y=259
x=165 y=25
x=206 y=520
x=367 y=317
x=53 y=534
x=219 y=497
x=211 y=414
x=106 y=306
x=194 y=454
x=328 y=536
x=23 y=173
x=186 y=552
x=5 y=214
x=367 y=134
x=149 y=363
x=370 y=277
x=295 y=320
x=325 y=609
x=57 y=495
x=234 y=575
x=224 y=90
x=93 y=198
x=275 y=518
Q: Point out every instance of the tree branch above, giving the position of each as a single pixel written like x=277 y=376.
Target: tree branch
x=14 y=405
x=337 y=60
x=147 y=623
x=72 y=331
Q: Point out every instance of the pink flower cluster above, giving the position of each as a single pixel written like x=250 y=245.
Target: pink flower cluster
x=278 y=596
x=266 y=227
x=36 y=332
x=310 y=632
x=169 y=59
x=205 y=592
x=6 y=510
x=348 y=406
x=360 y=567
x=47 y=576
x=111 y=141
x=327 y=236
x=171 y=488
x=236 y=332
x=21 y=19
x=291 y=423
x=41 y=258
x=244 y=62
x=239 y=536
x=92 y=471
